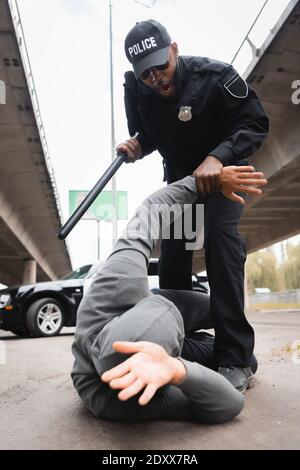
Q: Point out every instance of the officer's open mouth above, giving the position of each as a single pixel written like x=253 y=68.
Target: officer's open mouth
x=165 y=88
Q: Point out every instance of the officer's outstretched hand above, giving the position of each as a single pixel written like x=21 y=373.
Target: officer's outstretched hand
x=133 y=149
x=148 y=369
x=241 y=179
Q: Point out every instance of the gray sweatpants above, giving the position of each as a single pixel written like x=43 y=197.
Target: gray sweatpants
x=119 y=306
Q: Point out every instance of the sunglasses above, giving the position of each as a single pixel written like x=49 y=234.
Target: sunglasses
x=146 y=74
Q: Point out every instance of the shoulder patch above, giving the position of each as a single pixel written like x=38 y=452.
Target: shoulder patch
x=237 y=86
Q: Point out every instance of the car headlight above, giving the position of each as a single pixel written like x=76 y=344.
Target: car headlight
x=4 y=300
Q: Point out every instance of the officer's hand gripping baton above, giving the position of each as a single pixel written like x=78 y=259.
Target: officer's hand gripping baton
x=91 y=196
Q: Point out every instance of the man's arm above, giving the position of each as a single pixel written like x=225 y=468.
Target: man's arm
x=212 y=399
x=241 y=179
x=246 y=125
x=229 y=180
x=136 y=149
x=245 y=128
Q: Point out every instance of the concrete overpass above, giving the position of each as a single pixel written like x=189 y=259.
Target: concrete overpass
x=30 y=213
x=276 y=66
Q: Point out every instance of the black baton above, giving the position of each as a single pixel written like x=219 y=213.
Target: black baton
x=91 y=196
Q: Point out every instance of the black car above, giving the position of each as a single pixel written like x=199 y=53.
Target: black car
x=42 y=309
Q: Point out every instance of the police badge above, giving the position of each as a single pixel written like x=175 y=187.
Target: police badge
x=185 y=113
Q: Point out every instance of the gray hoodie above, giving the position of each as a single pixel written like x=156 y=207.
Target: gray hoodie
x=119 y=306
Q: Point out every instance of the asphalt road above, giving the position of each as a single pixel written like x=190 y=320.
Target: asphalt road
x=40 y=409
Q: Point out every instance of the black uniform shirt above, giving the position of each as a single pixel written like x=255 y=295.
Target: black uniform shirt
x=225 y=116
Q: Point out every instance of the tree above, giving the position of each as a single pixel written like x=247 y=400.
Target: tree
x=263 y=270
x=291 y=266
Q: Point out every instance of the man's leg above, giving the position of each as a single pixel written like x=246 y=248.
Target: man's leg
x=201 y=396
x=175 y=262
x=198 y=346
x=225 y=255
x=194 y=307
x=175 y=265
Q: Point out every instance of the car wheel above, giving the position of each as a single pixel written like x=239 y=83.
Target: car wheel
x=45 y=317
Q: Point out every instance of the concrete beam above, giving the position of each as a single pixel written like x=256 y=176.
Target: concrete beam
x=272 y=234
x=9 y=214
x=30 y=217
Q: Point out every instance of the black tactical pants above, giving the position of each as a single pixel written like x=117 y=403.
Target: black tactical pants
x=225 y=255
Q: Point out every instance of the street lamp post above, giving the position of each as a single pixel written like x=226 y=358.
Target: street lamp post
x=113 y=140
x=98 y=237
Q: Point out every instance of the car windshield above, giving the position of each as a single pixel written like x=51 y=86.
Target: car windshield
x=95 y=268
x=79 y=273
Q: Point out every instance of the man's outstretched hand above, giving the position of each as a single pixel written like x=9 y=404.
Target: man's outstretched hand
x=148 y=369
x=241 y=179
x=211 y=177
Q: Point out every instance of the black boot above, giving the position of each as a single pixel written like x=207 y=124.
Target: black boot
x=241 y=378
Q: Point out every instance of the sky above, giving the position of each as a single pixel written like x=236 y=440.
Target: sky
x=68 y=45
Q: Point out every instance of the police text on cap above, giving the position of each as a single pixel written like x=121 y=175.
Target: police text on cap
x=142 y=46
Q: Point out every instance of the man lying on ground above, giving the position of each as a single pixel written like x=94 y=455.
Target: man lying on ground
x=119 y=316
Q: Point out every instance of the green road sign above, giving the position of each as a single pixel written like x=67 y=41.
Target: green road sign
x=102 y=207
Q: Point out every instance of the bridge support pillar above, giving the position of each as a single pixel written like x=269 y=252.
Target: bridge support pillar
x=29 y=272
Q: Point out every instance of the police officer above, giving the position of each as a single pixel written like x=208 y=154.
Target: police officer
x=201 y=116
